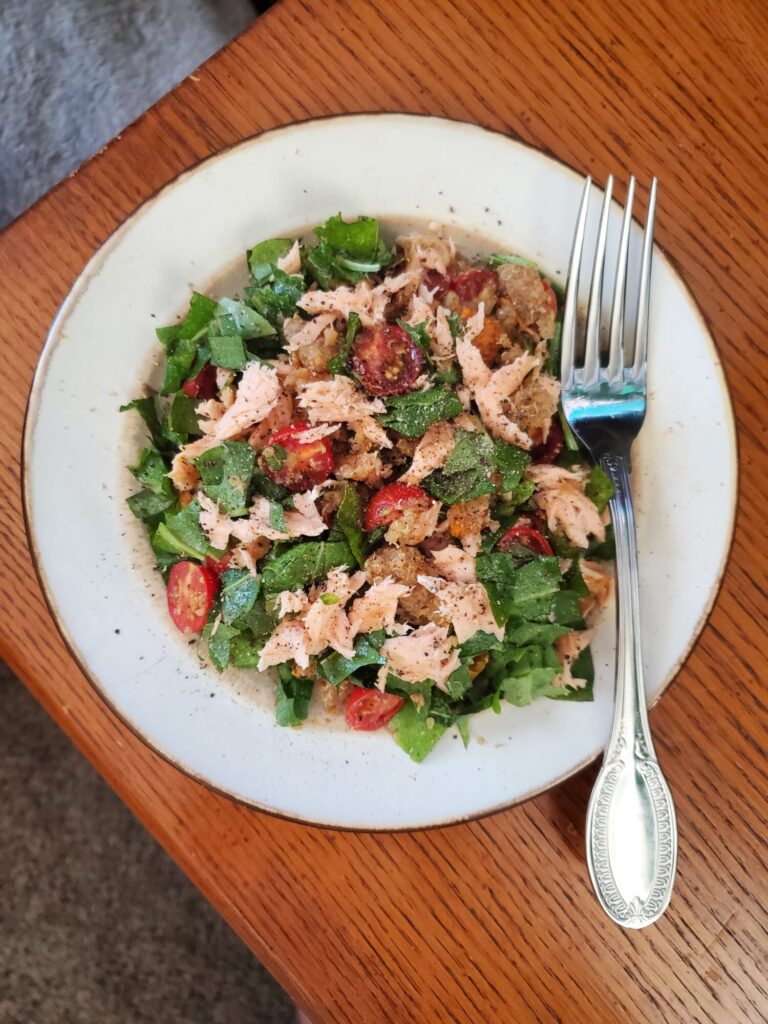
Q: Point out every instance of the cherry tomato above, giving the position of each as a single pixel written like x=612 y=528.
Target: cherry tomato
x=218 y=567
x=526 y=537
x=391 y=501
x=470 y=283
x=203 y=385
x=436 y=282
x=386 y=360
x=370 y=709
x=296 y=464
x=191 y=590
x=552 y=447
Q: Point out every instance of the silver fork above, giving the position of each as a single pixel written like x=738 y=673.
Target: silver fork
x=631 y=825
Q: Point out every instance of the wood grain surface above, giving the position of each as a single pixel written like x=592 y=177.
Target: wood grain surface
x=494 y=920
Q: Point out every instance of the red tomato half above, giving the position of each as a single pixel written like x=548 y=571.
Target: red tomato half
x=217 y=567
x=470 y=283
x=526 y=537
x=437 y=282
x=370 y=709
x=391 y=501
x=386 y=360
x=203 y=385
x=191 y=590
x=552 y=447
x=294 y=463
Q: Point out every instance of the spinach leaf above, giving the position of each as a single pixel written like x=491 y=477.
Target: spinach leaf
x=257 y=621
x=347 y=524
x=234 y=317
x=479 y=643
x=420 y=337
x=552 y=365
x=413 y=413
x=336 y=668
x=277 y=300
x=347 y=251
x=509 y=462
x=467 y=473
x=339 y=363
x=521 y=634
x=512 y=588
x=305 y=563
x=457 y=684
x=277 y=517
x=151 y=470
x=496 y=259
x=582 y=668
x=148 y=505
x=415 y=731
x=219 y=644
x=264 y=256
x=180 y=534
x=180 y=341
x=239 y=590
x=147 y=409
x=182 y=416
x=225 y=474
x=291 y=697
x=228 y=351
x=599 y=487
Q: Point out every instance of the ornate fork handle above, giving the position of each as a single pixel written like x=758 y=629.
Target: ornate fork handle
x=631 y=825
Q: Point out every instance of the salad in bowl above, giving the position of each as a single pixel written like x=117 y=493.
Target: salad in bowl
x=358 y=476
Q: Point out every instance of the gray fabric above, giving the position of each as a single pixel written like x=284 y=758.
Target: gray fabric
x=97 y=925
x=74 y=73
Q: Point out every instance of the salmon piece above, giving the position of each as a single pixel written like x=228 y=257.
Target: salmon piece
x=370 y=303
x=369 y=435
x=455 y=564
x=528 y=303
x=303 y=520
x=465 y=606
x=328 y=625
x=377 y=608
x=534 y=404
x=337 y=401
x=291 y=602
x=281 y=416
x=414 y=525
x=246 y=556
x=467 y=520
x=257 y=394
x=492 y=389
x=183 y=475
x=215 y=526
x=599 y=583
x=426 y=653
x=560 y=495
x=291 y=262
x=568 y=648
x=443 y=347
x=431 y=453
x=364 y=467
x=288 y=643
x=428 y=251
x=300 y=332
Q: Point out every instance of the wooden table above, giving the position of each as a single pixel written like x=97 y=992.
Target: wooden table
x=495 y=920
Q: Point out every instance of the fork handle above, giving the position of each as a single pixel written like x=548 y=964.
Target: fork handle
x=631 y=824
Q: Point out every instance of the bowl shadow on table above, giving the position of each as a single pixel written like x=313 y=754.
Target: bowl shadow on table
x=566 y=807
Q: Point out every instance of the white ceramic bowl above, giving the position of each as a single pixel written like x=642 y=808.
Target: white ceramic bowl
x=94 y=558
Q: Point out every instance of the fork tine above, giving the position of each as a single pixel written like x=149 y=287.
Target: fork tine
x=568 y=343
x=592 y=347
x=615 y=370
x=641 y=331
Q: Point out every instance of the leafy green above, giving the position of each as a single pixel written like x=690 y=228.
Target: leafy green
x=552 y=365
x=239 y=590
x=415 y=731
x=180 y=341
x=512 y=588
x=413 y=413
x=182 y=416
x=347 y=523
x=336 y=668
x=262 y=258
x=520 y=634
x=228 y=351
x=147 y=409
x=509 y=462
x=225 y=474
x=571 y=443
x=347 y=251
x=234 y=317
x=180 y=534
x=479 y=643
x=277 y=517
x=419 y=336
x=148 y=505
x=599 y=487
x=257 y=621
x=339 y=363
x=496 y=259
x=151 y=470
x=305 y=563
x=219 y=639
x=457 y=684
x=277 y=300
x=292 y=697
x=473 y=468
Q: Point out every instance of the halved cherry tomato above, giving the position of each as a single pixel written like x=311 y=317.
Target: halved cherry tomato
x=436 y=282
x=203 y=385
x=386 y=360
x=552 y=447
x=191 y=590
x=391 y=501
x=526 y=537
x=294 y=463
x=220 y=566
x=370 y=709
x=470 y=283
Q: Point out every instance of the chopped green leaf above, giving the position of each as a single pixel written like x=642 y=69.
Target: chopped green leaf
x=239 y=590
x=467 y=473
x=413 y=413
x=305 y=563
x=229 y=352
x=336 y=668
x=180 y=341
x=264 y=256
x=219 y=639
x=234 y=317
x=291 y=697
x=180 y=533
x=510 y=463
x=338 y=364
x=148 y=505
x=225 y=473
x=347 y=251
x=497 y=259
x=419 y=336
x=462 y=724
x=277 y=517
x=415 y=731
x=277 y=300
x=151 y=470
x=348 y=523
x=599 y=487
x=479 y=643
x=182 y=416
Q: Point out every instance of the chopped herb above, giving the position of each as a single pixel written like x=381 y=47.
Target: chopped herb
x=413 y=413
